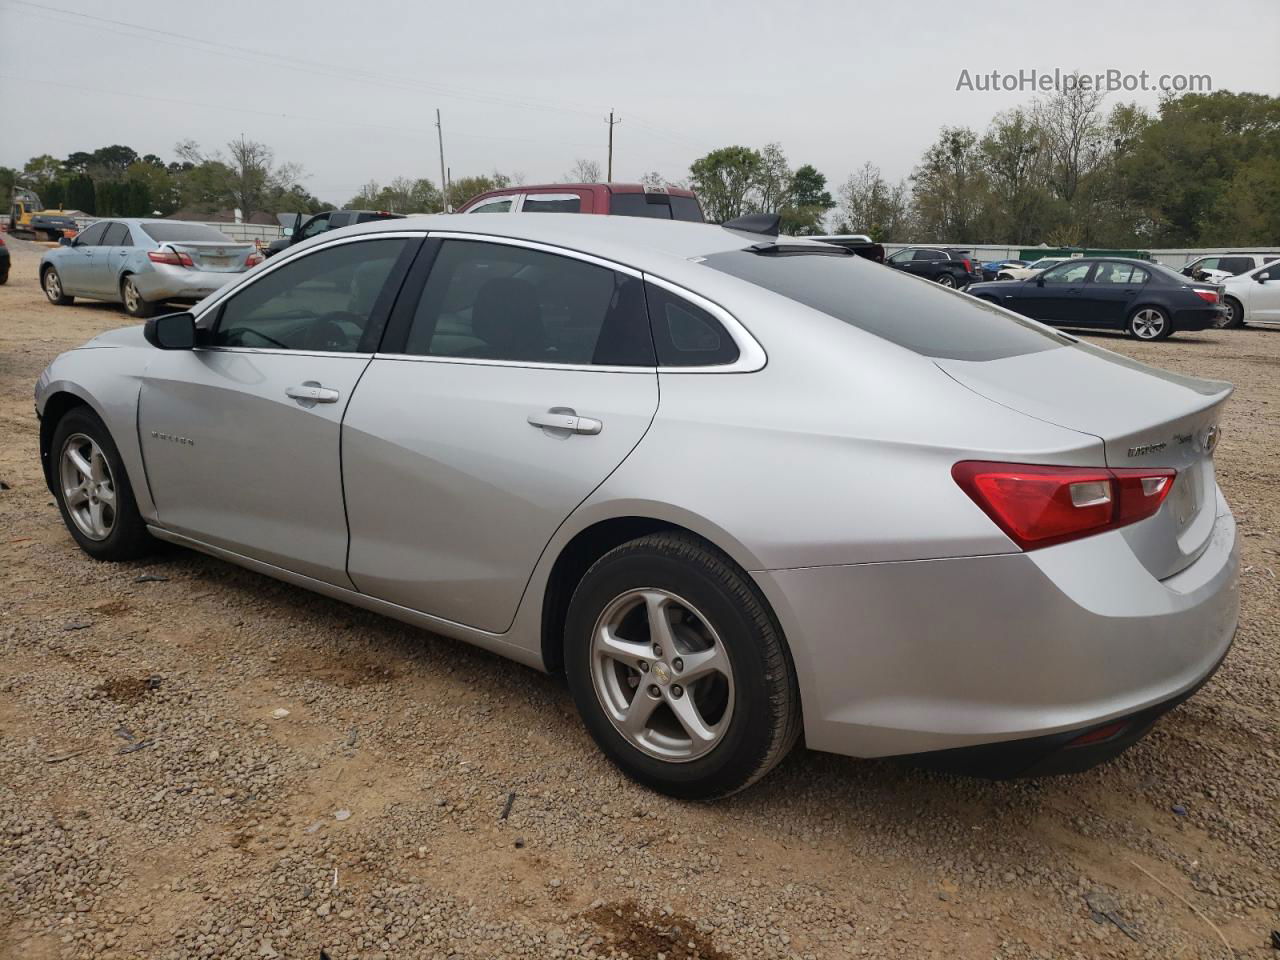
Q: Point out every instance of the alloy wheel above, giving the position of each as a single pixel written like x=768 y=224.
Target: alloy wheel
x=88 y=489
x=1147 y=324
x=52 y=285
x=662 y=674
x=131 y=297
x=947 y=280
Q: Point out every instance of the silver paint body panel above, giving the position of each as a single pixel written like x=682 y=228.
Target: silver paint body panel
x=823 y=468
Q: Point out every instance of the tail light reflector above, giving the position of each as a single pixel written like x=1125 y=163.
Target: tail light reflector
x=172 y=257
x=1208 y=296
x=1037 y=505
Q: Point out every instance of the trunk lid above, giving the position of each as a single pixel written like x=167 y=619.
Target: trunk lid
x=214 y=257
x=1144 y=416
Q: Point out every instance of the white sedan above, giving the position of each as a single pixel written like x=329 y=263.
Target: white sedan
x=1253 y=296
x=1029 y=271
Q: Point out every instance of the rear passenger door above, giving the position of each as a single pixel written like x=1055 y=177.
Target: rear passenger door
x=1111 y=293
x=512 y=380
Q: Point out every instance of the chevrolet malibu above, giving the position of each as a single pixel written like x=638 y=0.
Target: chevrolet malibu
x=735 y=487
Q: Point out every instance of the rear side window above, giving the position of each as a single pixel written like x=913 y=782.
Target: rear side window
x=491 y=301
x=502 y=205
x=178 y=230
x=552 y=203
x=1119 y=273
x=1235 y=264
x=921 y=317
x=685 y=335
x=116 y=236
x=321 y=301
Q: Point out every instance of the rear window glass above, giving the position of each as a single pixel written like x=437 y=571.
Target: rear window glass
x=180 y=230
x=639 y=205
x=907 y=311
x=686 y=208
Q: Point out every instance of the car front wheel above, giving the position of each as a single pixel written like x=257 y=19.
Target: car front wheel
x=678 y=668
x=93 y=491
x=52 y=283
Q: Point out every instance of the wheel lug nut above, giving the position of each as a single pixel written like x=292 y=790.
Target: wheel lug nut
x=654 y=691
x=657 y=650
x=644 y=667
x=677 y=690
x=678 y=663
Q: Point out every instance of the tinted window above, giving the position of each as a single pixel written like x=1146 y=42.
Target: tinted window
x=902 y=256
x=686 y=335
x=116 y=235
x=552 y=203
x=918 y=316
x=640 y=205
x=320 y=301
x=687 y=209
x=490 y=301
x=1068 y=272
x=494 y=206
x=1235 y=264
x=316 y=226
x=178 y=230
x=92 y=235
x=929 y=255
x=1272 y=273
x=1119 y=273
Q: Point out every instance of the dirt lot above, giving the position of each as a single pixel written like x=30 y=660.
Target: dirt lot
x=152 y=804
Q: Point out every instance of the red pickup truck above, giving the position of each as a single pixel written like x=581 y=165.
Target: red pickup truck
x=618 y=199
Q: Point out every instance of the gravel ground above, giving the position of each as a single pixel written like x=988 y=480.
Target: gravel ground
x=156 y=800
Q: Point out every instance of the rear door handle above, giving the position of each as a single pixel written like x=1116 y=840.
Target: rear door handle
x=563 y=418
x=312 y=392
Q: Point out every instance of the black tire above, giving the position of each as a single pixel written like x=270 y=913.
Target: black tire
x=132 y=300
x=765 y=720
x=128 y=538
x=51 y=282
x=1235 y=314
x=946 y=279
x=1138 y=323
x=4 y=276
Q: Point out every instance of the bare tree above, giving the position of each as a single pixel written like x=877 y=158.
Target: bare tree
x=247 y=178
x=584 y=171
x=774 y=184
x=868 y=204
x=1074 y=130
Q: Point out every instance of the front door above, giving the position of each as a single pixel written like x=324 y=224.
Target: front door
x=240 y=436
x=1264 y=302
x=76 y=264
x=1059 y=295
x=508 y=390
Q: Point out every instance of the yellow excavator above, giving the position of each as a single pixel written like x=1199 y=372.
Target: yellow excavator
x=29 y=219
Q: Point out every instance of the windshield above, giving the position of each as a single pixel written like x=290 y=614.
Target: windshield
x=902 y=309
x=1044 y=264
x=179 y=230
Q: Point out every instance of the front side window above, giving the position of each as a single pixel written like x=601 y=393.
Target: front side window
x=552 y=203
x=91 y=236
x=320 y=301
x=1272 y=273
x=902 y=256
x=1068 y=273
x=502 y=205
x=1044 y=264
x=929 y=255
x=491 y=301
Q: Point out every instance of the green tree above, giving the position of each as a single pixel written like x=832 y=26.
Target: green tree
x=947 y=188
x=1015 y=157
x=725 y=181
x=246 y=178
x=808 y=202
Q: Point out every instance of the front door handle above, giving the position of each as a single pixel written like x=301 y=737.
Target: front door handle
x=312 y=392
x=565 y=419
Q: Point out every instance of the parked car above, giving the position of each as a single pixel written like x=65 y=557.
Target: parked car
x=4 y=262
x=991 y=268
x=1252 y=296
x=297 y=229
x=859 y=243
x=475 y=445
x=1218 y=267
x=948 y=266
x=143 y=264
x=616 y=199
x=1147 y=300
x=1028 y=270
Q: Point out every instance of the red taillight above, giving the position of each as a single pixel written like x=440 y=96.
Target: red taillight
x=172 y=257
x=253 y=259
x=967 y=267
x=1208 y=296
x=1041 y=505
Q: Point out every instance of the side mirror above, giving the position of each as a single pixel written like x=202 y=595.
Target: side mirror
x=173 y=331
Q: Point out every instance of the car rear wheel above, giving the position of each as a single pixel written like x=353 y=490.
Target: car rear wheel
x=52 y=283
x=93 y=491
x=678 y=668
x=1235 y=314
x=1149 y=323
x=4 y=276
x=947 y=280
x=134 y=304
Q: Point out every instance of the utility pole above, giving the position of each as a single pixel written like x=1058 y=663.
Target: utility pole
x=444 y=183
x=612 y=122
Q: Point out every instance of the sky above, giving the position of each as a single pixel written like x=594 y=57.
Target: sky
x=349 y=90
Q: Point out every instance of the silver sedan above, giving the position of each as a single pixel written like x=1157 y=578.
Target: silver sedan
x=143 y=264
x=734 y=487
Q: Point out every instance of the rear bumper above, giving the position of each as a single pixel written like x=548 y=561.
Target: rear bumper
x=917 y=657
x=179 y=283
x=1198 y=319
